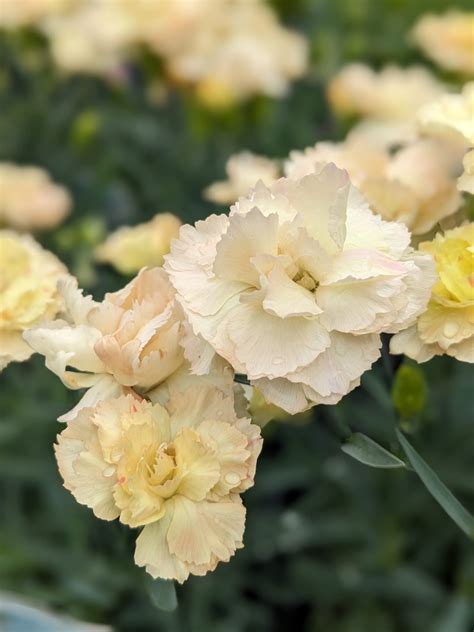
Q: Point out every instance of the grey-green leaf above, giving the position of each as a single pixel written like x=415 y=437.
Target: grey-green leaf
x=163 y=594
x=438 y=489
x=367 y=451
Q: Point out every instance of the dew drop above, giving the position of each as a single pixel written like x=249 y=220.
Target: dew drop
x=450 y=329
x=232 y=478
x=109 y=471
x=278 y=360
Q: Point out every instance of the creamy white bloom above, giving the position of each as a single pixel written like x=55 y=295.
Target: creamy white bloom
x=29 y=199
x=244 y=170
x=415 y=184
x=131 y=338
x=295 y=286
x=177 y=470
x=18 y=13
x=238 y=49
x=451 y=115
x=448 y=39
x=393 y=94
x=28 y=292
x=466 y=181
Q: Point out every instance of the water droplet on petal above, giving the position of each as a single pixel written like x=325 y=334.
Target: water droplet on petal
x=232 y=478
x=109 y=471
x=278 y=360
x=450 y=329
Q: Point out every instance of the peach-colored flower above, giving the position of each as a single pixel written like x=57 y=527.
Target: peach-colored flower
x=129 y=339
x=447 y=39
x=393 y=94
x=451 y=115
x=466 y=181
x=29 y=199
x=131 y=248
x=447 y=325
x=415 y=185
x=28 y=294
x=294 y=288
x=244 y=170
x=176 y=470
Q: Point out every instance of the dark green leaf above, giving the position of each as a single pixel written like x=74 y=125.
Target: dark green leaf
x=367 y=451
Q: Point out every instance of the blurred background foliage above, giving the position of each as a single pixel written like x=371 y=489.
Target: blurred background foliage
x=331 y=545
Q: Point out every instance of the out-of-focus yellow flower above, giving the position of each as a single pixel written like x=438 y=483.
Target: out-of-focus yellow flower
x=28 y=294
x=294 y=287
x=29 y=199
x=176 y=470
x=393 y=94
x=131 y=248
x=415 y=185
x=448 y=39
x=451 y=115
x=244 y=170
x=447 y=326
x=466 y=181
x=18 y=13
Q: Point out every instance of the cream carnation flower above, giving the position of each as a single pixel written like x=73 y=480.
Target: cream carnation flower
x=393 y=94
x=29 y=199
x=129 y=339
x=18 y=13
x=236 y=50
x=244 y=170
x=28 y=293
x=447 y=326
x=416 y=185
x=176 y=470
x=451 y=115
x=294 y=288
x=447 y=39
x=131 y=248
x=466 y=181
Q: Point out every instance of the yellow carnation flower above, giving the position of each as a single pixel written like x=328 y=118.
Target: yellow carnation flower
x=28 y=294
x=447 y=325
x=129 y=249
x=29 y=199
x=448 y=40
x=176 y=470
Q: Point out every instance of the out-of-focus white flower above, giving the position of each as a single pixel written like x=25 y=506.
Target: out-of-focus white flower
x=176 y=470
x=447 y=325
x=92 y=38
x=294 y=288
x=416 y=185
x=447 y=39
x=466 y=181
x=131 y=248
x=28 y=294
x=29 y=199
x=393 y=94
x=244 y=170
x=451 y=115
x=129 y=339
x=18 y=13
x=238 y=49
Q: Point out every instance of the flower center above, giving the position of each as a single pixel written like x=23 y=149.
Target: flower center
x=303 y=278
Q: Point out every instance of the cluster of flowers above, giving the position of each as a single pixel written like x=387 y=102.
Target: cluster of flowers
x=228 y=49
x=292 y=288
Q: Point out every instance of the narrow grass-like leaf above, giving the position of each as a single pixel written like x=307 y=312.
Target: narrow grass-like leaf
x=367 y=451
x=438 y=489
